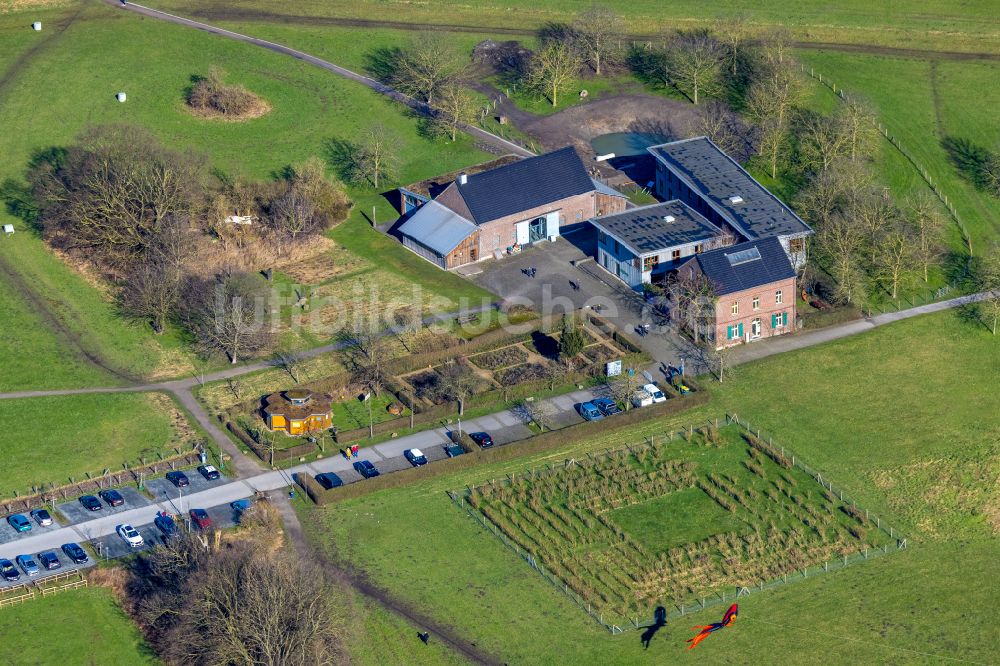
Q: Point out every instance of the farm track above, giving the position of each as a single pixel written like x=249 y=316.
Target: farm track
x=361 y=584
x=256 y=16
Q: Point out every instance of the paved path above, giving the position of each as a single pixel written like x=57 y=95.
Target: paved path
x=505 y=427
x=477 y=133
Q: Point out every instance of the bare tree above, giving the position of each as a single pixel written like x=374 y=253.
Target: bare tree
x=696 y=61
x=839 y=242
x=291 y=362
x=538 y=412
x=822 y=140
x=203 y=603
x=369 y=352
x=623 y=387
x=777 y=45
x=112 y=191
x=874 y=211
x=733 y=32
x=426 y=67
x=553 y=68
x=833 y=191
x=725 y=128
x=596 y=32
x=694 y=298
x=770 y=102
x=235 y=386
x=151 y=292
x=925 y=217
x=457 y=106
x=458 y=382
x=229 y=315
x=375 y=159
x=895 y=257
x=719 y=361
x=987 y=273
x=857 y=120
x=772 y=142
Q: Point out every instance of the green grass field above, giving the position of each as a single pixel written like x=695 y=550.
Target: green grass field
x=902 y=418
x=921 y=102
x=47 y=440
x=933 y=24
x=49 y=97
x=76 y=628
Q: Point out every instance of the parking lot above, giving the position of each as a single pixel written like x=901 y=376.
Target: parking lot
x=75 y=512
x=65 y=566
x=8 y=534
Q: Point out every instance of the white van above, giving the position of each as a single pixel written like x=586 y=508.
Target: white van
x=655 y=393
x=641 y=399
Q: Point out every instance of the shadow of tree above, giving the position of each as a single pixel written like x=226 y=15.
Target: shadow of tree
x=383 y=63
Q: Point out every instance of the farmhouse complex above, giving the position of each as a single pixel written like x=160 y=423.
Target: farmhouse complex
x=503 y=209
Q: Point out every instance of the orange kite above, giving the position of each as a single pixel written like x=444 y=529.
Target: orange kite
x=704 y=631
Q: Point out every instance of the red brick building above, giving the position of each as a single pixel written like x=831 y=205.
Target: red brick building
x=753 y=286
x=502 y=209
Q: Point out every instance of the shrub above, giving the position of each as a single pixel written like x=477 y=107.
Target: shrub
x=572 y=340
x=212 y=94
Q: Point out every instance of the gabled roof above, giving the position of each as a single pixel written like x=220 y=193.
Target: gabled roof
x=438 y=228
x=746 y=265
x=728 y=188
x=523 y=185
x=431 y=187
x=657 y=227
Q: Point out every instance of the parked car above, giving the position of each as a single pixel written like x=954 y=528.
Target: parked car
x=415 y=456
x=19 y=523
x=209 y=472
x=178 y=478
x=91 y=503
x=641 y=399
x=366 y=469
x=483 y=439
x=654 y=390
x=201 y=519
x=112 y=497
x=607 y=406
x=42 y=517
x=49 y=560
x=329 y=480
x=130 y=535
x=453 y=450
x=27 y=564
x=241 y=505
x=9 y=571
x=589 y=411
x=166 y=524
x=75 y=553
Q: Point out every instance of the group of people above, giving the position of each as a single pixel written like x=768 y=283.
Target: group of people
x=351 y=451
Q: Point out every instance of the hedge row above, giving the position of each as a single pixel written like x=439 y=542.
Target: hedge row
x=539 y=443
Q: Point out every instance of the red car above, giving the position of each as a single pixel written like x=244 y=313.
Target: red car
x=201 y=520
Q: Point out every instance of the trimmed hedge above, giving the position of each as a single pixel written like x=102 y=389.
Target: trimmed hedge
x=539 y=443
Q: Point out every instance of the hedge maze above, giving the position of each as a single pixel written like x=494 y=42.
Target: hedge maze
x=674 y=521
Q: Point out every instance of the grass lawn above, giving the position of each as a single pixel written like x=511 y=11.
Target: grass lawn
x=50 y=97
x=353 y=413
x=47 y=440
x=674 y=520
x=931 y=24
x=79 y=627
x=902 y=417
x=921 y=102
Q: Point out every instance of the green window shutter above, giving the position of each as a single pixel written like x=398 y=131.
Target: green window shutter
x=741 y=331
x=729 y=332
x=784 y=319
x=774 y=321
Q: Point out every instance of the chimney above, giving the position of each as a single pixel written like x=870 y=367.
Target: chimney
x=463 y=178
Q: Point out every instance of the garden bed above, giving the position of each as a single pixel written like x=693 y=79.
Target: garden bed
x=519 y=374
x=500 y=358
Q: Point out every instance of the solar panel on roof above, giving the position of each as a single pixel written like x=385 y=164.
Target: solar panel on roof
x=743 y=256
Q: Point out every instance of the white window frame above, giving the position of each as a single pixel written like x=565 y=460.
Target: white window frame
x=756 y=328
x=778 y=297
x=735 y=308
x=756 y=302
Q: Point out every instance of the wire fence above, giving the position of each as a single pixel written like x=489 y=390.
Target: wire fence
x=617 y=625
x=921 y=169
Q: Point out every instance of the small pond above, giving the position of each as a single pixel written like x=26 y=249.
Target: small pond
x=625 y=144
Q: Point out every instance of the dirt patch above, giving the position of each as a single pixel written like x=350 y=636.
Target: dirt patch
x=259 y=108
x=329 y=260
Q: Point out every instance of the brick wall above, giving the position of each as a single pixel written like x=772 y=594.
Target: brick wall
x=768 y=311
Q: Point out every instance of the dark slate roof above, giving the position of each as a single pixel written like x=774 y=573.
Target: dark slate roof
x=733 y=268
x=437 y=227
x=717 y=177
x=529 y=183
x=645 y=230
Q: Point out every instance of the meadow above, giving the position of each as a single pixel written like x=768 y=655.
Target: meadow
x=968 y=26
x=48 y=440
x=902 y=418
x=82 y=626
x=46 y=98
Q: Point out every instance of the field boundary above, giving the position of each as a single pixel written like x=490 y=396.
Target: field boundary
x=729 y=595
x=61 y=582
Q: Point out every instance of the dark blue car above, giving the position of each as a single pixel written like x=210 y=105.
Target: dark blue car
x=90 y=503
x=607 y=406
x=365 y=469
x=19 y=523
x=9 y=571
x=329 y=480
x=75 y=553
x=589 y=411
x=165 y=524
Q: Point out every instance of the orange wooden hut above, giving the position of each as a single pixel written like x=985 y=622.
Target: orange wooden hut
x=297 y=411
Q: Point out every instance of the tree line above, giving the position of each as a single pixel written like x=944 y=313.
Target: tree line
x=179 y=244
